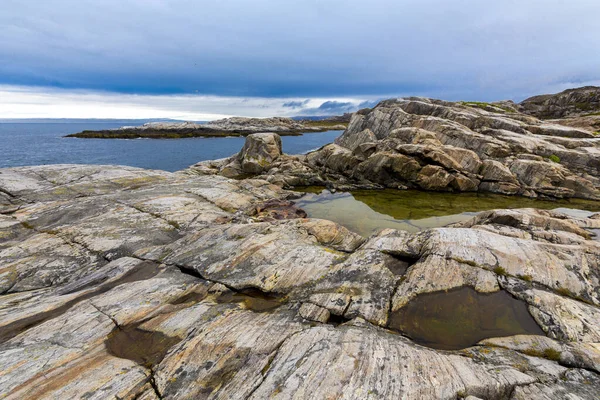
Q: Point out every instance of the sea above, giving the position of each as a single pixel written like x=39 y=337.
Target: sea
x=42 y=143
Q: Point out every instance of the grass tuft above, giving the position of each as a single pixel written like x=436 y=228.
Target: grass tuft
x=527 y=278
x=549 y=353
x=500 y=271
x=565 y=292
x=554 y=158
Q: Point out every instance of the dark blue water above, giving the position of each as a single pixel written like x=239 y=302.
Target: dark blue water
x=42 y=143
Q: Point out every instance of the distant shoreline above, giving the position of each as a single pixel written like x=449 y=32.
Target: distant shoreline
x=186 y=130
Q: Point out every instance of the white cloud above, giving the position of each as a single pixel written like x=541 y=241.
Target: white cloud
x=39 y=102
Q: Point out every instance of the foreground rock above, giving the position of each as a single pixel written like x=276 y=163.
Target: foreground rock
x=124 y=283
x=442 y=146
x=236 y=126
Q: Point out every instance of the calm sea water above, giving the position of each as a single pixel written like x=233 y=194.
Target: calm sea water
x=43 y=143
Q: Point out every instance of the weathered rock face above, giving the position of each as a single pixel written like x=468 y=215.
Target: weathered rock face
x=442 y=146
x=571 y=102
x=589 y=122
x=259 y=152
x=124 y=283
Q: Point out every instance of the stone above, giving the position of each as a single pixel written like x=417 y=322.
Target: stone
x=438 y=145
x=126 y=283
x=259 y=152
x=570 y=102
x=314 y=313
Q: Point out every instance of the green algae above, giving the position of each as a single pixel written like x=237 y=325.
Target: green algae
x=251 y=299
x=367 y=211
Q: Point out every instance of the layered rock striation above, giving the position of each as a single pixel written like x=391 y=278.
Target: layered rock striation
x=568 y=103
x=442 y=146
x=124 y=283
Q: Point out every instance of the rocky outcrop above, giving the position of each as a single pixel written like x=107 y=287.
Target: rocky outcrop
x=442 y=146
x=235 y=126
x=125 y=283
x=257 y=156
x=589 y=122
x=569 y=103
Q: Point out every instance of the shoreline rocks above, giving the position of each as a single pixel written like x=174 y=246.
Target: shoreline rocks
x=124 y=283
x=235 y=126
x=441 y=146
x=230 y=292
x=568 y=103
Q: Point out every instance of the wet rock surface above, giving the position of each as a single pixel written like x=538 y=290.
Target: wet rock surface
x=125 y=283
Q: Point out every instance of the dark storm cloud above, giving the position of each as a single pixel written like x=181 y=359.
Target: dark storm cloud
x=333 y=107
x=295 y=104
x=461 y=49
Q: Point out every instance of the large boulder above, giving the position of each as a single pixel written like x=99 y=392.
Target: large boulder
x=259 y=152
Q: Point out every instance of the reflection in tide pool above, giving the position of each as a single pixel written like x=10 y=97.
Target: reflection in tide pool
x=367 y=211
x=462 y=317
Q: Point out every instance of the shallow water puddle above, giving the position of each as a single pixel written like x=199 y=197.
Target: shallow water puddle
x=147 y=348
x=462 y=317
x=251 y=299
x=367 y=211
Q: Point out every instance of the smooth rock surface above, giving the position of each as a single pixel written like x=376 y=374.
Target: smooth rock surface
x=226 y=295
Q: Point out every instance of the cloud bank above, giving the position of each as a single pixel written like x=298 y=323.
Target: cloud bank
x=40 y=102
x=301 y=49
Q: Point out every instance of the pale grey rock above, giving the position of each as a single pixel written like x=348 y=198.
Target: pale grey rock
x=585 y=388
x=313 y=312
x=273 y=257
x=354 y=141
x=259 y=152
x=495 y=171
x=293 y=308
x=572 y=354
x=355 y=363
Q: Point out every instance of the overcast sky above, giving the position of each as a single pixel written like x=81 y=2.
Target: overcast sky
x=206 y=59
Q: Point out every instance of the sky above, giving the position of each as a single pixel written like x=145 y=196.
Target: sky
x=198 y=60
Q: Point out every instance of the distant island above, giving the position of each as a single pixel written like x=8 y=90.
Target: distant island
x=235 y=126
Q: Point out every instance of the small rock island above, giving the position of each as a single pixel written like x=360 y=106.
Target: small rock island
x=236 y=126
x=125 y=283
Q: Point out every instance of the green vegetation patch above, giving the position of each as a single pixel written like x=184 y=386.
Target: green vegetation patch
x=322 y=123
x=548 y=353
x=500 y=271
x=527 y=278
x=554 y=158
x=583 y=106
